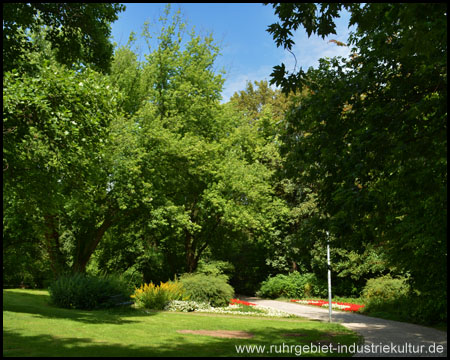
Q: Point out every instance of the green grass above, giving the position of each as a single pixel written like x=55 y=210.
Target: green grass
x=246 y=308
x=32 y=327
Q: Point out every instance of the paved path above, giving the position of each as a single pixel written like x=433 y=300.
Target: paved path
x=399 y=338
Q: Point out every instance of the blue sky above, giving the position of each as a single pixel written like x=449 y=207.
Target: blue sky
x=248 y=51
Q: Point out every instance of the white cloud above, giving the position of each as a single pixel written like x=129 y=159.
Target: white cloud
x=237 y=81
x=308 y=51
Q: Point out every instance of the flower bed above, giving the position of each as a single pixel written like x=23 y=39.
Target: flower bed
x=242 y=302
x=236 y=307
x=334 y=304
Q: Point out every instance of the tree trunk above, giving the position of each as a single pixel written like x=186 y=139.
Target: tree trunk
x=57 y=259
x=87 y=244
x=191 y=261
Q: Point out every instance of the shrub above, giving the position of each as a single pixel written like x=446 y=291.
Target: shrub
x=385 y=289
x=387 y=296
x=206 y=288
x=80 y=291
x=150 y=296
x=395 y=299
x=294 y=285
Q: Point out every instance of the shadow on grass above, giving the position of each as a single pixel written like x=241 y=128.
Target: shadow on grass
x=175 y=345
x=39 y=305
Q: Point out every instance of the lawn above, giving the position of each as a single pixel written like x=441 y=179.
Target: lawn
x=32 y=327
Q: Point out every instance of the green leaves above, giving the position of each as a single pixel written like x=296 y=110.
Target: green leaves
x=55 y=151
x=78 y=32
x=203 y=173
x=370 y=136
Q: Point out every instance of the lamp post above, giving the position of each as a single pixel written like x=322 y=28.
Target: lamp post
x=329 y=275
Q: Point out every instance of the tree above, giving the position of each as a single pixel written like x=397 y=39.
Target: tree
x=54 y=152
x=258 y=95
x=79 y=33
x=372 y=133
x=191 y=155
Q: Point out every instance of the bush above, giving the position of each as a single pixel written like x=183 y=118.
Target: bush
x=393 y=298
x=389 y=297
x=294 y=285
x=206 y=288
x=385 y=289
x=150 y=296
x=80 y=291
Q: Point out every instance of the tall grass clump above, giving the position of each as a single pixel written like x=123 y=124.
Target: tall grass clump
x=81 y=291
x=156 y=297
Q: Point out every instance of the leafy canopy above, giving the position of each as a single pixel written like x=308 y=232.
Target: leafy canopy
x=78 y=32
x=371 y=135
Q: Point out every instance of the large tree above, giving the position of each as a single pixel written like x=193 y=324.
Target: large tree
x=372 y=133
x=55 y=170
x=183 y=151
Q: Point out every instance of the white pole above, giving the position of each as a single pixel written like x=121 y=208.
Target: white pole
x=329 y=276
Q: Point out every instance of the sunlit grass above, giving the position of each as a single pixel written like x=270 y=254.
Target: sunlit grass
x=32 y=327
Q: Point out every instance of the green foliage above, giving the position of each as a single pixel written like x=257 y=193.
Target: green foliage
x=77 y=32
x=257 y=98
x=315 y=20
x=206 y=288
x=393 y=298
x=25 y=262
x=80 y=291
x=426 y=310
x=194 y=164
x=25 y=265
x=215 y=268
x=293 y=285
x=157 y=297
x=55 y=159
x=148 y=168
x=371 y=134
x=385 y=289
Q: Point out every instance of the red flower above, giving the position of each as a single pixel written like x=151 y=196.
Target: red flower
x=349 y=306
x=237 y=301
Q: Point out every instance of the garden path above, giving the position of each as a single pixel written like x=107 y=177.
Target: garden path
x=382 y=338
